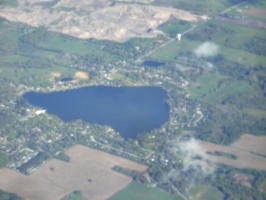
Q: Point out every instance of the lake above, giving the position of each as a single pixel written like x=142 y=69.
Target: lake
x=151 y=63
x=128 y=110
x=66 y=79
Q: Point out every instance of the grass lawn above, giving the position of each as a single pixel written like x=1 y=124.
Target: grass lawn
x=136 y=191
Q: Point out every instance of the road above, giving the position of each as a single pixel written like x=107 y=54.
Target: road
x=185 y=32
x=133 y=155
x=232 y=7
x=177 y=190
x=169 y=41
x=201 y=116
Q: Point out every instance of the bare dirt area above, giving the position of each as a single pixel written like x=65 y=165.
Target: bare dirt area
x=255 y=12
x=250 y=151
x=246 y=22
x=98 y=19
x=55 y=74
x=81 y=75
x=242 y=179
x=89 y=171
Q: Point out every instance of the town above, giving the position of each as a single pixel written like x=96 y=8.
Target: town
x=20 y=152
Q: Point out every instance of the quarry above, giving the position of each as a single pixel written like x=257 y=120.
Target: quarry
x=101 y=19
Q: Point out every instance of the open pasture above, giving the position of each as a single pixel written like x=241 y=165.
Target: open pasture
x=88 y=171
x=259 y=113
x=208 y=87
x=238 y=43
x=174 y=26
x=233 y=35
x=223 y=92
x=200 y=192
x=142 y=192
x=233 y=40
x=171 y=51
x=206 y=83
x=247 y=149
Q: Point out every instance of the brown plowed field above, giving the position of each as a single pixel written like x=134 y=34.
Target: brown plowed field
x=256 y=12
x=246 y=22
x=89 y=171
x=241 y=148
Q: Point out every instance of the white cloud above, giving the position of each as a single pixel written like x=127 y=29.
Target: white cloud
x=207 y=49
x=194 y=157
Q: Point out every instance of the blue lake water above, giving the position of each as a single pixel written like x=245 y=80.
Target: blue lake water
x=128 y=110
x=151 y=63
x=66 y=79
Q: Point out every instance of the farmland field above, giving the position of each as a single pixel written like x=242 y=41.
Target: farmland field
x=173 y=27
x=200 y=192
x=260 y=113
x=76 y=195
x=247 y=149
x=207 y=82
x=88 y=171
x=238 y=87
x=170 y=51
x=137 y=191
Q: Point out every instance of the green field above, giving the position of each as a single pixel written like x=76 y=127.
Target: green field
x=231 y=89
x=76 y=195
x=204 y=193
x=3 y=159
x=173 y=27
x=207 y=83
x=242 y=57
x=171 y=51
x=136 y=191
x=210 y=89
x=259 y=113
x=231 y=38
x=233 y=35
x=67 y=45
